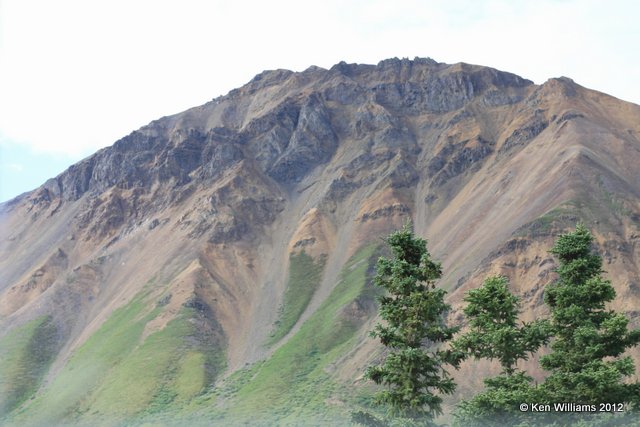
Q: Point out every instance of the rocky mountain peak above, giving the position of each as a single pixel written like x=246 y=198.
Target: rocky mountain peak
x=285 y=134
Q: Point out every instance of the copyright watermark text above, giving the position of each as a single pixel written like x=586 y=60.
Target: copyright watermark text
x=572 y=407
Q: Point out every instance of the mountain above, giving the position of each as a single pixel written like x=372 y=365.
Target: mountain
x=214 y=265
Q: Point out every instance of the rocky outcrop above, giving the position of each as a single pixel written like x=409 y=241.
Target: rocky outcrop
x=386 y=211
x=456 y=158
x=299 y=132
x=525 y=133
x=312 y=143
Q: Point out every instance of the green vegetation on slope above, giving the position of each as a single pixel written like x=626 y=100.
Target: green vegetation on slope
x=305 y=275
x=164 y=369
x=293 y=385
x=595 y=205
x=558 y=218
x=611 y=200
x=120 y=375
x=91 y=363
x=116 y=374
x=25 y=356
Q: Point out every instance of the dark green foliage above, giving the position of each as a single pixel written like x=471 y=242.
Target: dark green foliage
x=498 y=404
x=413 y=311
x=586 y=363
x=495 y=334
x=365 y=419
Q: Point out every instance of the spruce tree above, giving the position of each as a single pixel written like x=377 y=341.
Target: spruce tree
x=495 y=334
x=586 y=364
x=413 y=311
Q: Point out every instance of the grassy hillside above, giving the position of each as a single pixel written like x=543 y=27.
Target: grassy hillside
x=25 y=356
x=116 y=374
x=119 y=375
x=305 y=275
x=294 y=386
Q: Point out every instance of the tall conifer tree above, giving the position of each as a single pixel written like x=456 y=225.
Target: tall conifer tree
x=413 y=311
x=586 y=364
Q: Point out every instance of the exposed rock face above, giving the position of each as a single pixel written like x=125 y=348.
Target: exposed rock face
x=529 y=130
x=193 y=217
x=456 y=157
x=295 y=133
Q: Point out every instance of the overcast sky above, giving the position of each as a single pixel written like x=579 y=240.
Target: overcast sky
x=77 y=75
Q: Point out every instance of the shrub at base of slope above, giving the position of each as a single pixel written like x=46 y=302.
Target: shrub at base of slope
x=292 y=386
x=25 y=356
x=115 y=376
x=305 y=275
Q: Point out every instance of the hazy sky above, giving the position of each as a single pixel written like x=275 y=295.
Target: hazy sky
x=77 y=75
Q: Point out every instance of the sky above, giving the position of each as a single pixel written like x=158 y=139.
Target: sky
x=77 y=75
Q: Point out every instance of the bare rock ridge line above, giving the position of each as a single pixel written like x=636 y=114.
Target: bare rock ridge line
x=199 y=218
x=295 y=133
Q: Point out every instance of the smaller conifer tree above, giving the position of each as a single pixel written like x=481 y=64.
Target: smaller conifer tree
x=495 y=334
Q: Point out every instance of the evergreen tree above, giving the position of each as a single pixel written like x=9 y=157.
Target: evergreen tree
x=586 y=364
x=495 y=334
x=413 y=310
